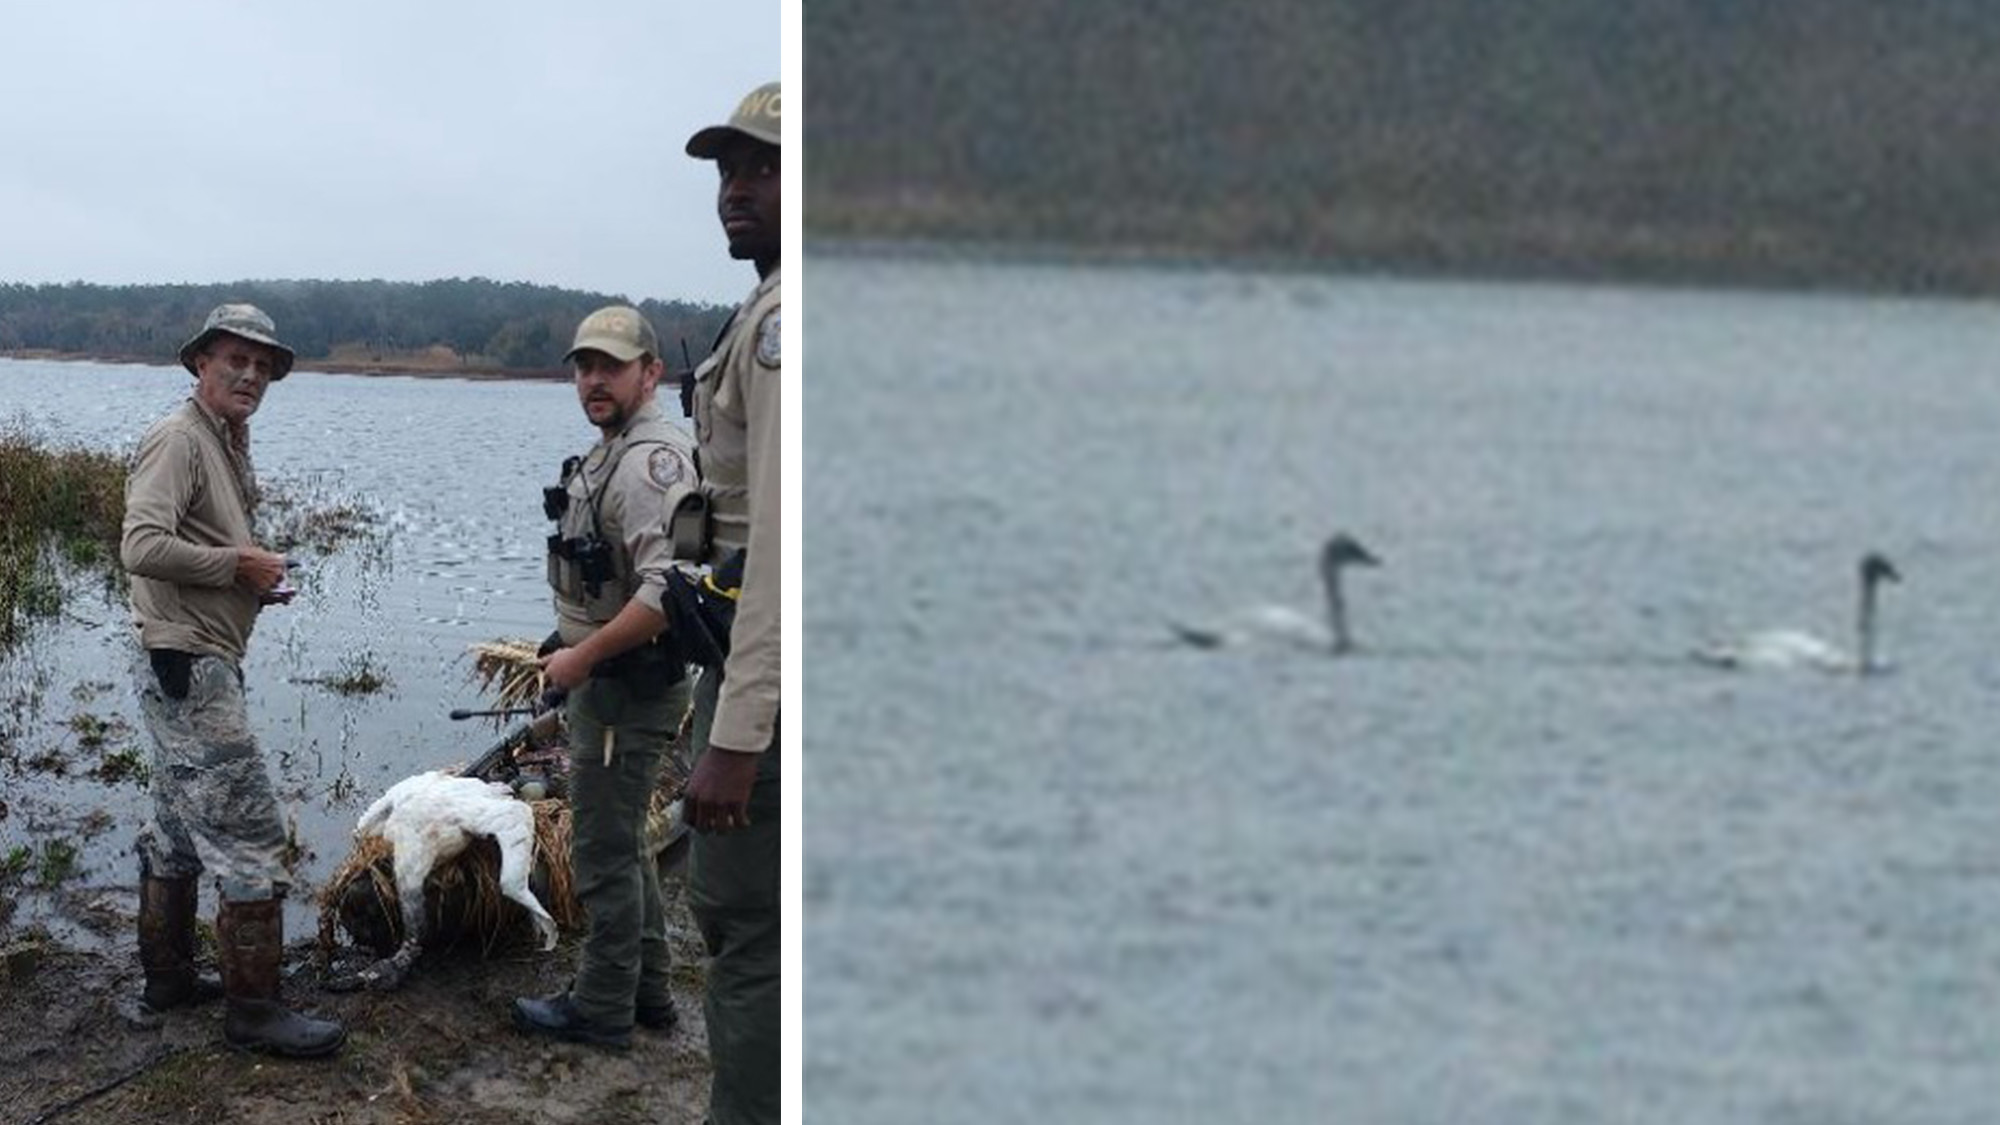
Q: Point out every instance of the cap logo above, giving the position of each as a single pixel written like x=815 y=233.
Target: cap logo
x=761 y=102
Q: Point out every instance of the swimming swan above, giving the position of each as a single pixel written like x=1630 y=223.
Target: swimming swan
x=1789 y=648
x=1285 y=624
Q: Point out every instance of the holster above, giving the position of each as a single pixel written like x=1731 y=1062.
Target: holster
x=646 y=671
x=174 y=669
x=687 y=527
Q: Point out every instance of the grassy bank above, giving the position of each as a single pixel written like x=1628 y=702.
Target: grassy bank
x=56 y=506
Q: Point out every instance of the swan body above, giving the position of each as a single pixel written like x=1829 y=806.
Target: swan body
x=428 y=820
x=1778 y=648
x=1791 y=648
x=1288 y=626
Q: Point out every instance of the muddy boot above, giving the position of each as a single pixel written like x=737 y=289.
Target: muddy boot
x=166 y=945
x=253 y=940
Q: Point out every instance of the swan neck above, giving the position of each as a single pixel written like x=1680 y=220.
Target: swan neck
x=1336 y=611
x=1865 y=629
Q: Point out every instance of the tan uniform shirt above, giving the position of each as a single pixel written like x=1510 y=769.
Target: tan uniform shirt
x=737 y=420
x=189 y=501
x=631 y=496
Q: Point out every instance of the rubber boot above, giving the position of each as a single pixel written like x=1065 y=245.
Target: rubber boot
x=253 y=941
x=166 y=944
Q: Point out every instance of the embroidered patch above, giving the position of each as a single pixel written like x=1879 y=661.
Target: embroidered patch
x=668 y=467
x=767 y=339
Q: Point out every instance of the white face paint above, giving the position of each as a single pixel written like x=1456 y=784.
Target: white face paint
x=234 y=374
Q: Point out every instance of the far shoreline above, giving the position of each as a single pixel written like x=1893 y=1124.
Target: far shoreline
x=418 y=369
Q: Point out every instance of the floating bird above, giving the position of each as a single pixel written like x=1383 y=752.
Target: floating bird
x=1287 y=625
x=428 y=820
x=1791 y=648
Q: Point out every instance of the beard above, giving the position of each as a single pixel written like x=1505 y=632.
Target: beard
x=606 y=414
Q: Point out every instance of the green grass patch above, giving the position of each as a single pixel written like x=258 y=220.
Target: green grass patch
x=126 y=763
x=358 y=675
x=56 y=864
x=56 y=505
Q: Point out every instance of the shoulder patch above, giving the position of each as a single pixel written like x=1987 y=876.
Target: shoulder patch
x=668 y=467
x=767 y=339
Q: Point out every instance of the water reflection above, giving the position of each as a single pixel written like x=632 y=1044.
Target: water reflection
x=452 y=471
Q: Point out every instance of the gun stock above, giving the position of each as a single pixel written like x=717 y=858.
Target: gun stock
x=501 y=753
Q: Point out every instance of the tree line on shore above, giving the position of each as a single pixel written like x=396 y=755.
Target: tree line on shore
x=1840 y=142
x=484 y=325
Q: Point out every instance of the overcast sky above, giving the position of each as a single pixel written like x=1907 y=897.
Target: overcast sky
x=210 y=141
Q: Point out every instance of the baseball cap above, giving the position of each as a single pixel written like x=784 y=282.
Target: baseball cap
x=247 y=321
x=618 y=331
x=756 y=117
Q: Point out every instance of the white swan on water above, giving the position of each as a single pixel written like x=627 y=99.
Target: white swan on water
x=1790 y=648
x=1287 y=625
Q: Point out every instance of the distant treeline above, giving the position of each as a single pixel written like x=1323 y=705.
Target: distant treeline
x=484 y=325
x=1838 y=141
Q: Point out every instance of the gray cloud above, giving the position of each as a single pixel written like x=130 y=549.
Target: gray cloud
x=206 y=141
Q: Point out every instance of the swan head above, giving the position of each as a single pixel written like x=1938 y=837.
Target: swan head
x=1876 y=567
x=1345 y=550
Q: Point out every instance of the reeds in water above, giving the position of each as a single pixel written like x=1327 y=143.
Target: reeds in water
x=57 y=505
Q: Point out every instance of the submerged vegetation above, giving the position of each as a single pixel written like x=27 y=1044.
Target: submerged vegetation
x=299 y=516
x=358 y=674
x=51 y=864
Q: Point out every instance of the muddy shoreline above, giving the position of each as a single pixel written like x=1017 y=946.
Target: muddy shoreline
x=439 y=1050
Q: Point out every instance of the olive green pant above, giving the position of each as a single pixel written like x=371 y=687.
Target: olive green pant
x=624 y=959
x=733 y=888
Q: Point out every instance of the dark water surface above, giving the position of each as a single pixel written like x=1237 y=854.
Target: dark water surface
x=1519 y=860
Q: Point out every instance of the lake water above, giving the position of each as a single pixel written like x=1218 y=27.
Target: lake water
x=1518 y=859
x=453 y=469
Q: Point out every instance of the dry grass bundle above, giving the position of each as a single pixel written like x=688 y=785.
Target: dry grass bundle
x=508 y=672
x=461 y=898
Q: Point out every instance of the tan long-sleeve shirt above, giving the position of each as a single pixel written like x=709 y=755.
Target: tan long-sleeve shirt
x=189 y=501
x=738 y=421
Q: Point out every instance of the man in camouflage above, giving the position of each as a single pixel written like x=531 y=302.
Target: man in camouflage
x=732 y=797
x=199 y=580
x=627 y=685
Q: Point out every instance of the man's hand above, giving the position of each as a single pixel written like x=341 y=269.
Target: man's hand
x=565 y=669
x=718 y=795
x=258 y=570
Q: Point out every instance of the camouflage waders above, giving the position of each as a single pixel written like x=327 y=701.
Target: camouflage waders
x=214 y=811
x=213 y=807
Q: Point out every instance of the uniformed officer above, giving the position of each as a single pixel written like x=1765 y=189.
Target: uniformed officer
x=199 y=580
x=614 y=509
x=732 y=797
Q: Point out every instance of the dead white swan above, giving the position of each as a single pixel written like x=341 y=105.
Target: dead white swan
x=428 y=820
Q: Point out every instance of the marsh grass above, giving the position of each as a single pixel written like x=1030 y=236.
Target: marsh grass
x=57 y=505
x=300 y=515
x=15 y=862
x=358 y=674
x=126 y=763
x=57 y=863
